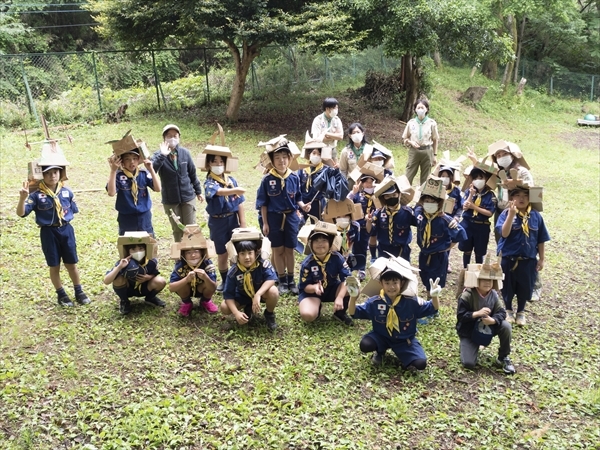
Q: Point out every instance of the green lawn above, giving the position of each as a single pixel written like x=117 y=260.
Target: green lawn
x=88 y=378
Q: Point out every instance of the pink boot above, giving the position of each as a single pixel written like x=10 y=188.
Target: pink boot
x=209 y=306
x=185 y=309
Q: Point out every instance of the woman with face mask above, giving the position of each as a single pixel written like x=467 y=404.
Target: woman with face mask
x=180 y=185
x=478 y=207
x=356 y=146
x=224 y=200
x=421 y=137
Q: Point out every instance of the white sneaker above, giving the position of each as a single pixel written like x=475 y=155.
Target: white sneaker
x=510 y=316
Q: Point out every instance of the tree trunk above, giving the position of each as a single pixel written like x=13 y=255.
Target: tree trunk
x=437 y=59
x=242 y=66
x=490 y=70
x=412 y=79
x=512 y=27
x=519 y=50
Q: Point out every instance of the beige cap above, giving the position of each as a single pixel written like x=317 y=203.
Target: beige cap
x=170 y=126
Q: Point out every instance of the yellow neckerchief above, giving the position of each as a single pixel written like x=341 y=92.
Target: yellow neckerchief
x=54 y=197
x=134 y=185
x=225 y=181
x=309 y=171
x=427 y=233
x=190 y=269
x=248 y=285
x=138 y=285
x=369 y=198
x=391 y=213
x=322 y=265
x=477 y=202
x=344 y=233
x=525 y=218
x=392 y=322
x=274 y=172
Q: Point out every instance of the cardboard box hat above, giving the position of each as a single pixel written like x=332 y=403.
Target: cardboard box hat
x=510 y=147
x=320 y=227
x=368 y=170
x=447 y=164
x=273 y=145
x=193 y=239
x=368 y=153
x=335 y=209
x=485 y=271
x=128 y=144
x=402 y=184
x=398 y=265
x=248 y=234
x=536 y=195
x=482 y=165
x=231 y=163
x=311 y=143
x=137 y=237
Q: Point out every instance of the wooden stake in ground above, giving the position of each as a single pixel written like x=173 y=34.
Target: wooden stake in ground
x=521 y=86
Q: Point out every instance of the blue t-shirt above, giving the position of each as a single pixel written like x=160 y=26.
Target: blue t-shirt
x=311 y=272
x=442 y=236
x=401 y=232
x=276 y=199
x=124 y=202
x=220 y=204
x=45 y=212
x=234 y=283
x=517 y=244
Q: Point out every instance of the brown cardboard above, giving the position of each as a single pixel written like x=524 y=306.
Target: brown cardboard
x=406 y=190
x=274 y=144
x=434 y=187
x=192 y=238
x=335 y=209
x=536 y=197
x=248 y=234
x=368 y=169
x=137 y=237
x=231 y=164
x=124 y=145
x=485 y=271
x=399 y=265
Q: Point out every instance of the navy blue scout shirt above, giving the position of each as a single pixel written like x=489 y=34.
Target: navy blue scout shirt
x=124 y=203
x=311 y=272
x=488 y=201
x=45 y=212
x=270 y=194
x=442 y=236
x=456 y=194
x=517 y=244
x=181 y=270
x=408 y=310
x=150 y=268
x=221 y=204
x=401 y=233
x=234 y=283
x=178 y=185
x=309 y=192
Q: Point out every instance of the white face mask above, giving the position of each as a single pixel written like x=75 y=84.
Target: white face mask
x=217 y=170
x=445 y=181
x=505 y=161
x=138 y=256
x=430 y=208
x=315 y=159
x=378 y=162
x=421 y=112
x=342 y=222
x=479 y=184
x=369 y=190
x=357 y=137
x=173 y=142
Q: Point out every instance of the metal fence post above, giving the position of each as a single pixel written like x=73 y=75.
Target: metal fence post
x=32 y=109
x=206 y=76
x=551 y=85
x=592 y=91
x=155 y=79
x=96 y=78
x=354 y=65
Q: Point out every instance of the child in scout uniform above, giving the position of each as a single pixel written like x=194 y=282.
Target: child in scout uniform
x=278 y=198
x=136 y=273
x=381 y=157
x=449 y=171
x=478 y=207
x=194 y=274
x=437 y=232
x=393 y=308
x=362 y=192
x=323 y=274
x=314 y=152
x=345 y=215
x=224 y=198
x=522 y=242
x=130 y=184
x=391 y=223
x=480 y=315
x=250 y=281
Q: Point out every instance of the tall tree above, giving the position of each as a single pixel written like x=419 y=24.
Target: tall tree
x=244 y=26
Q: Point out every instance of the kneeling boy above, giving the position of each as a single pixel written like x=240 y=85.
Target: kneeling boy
x=136 y=274
x=250 y=281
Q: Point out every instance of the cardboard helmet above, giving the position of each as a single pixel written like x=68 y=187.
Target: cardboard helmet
x=231 y=163
x=137 y=238
x=263 y=245
x=509 y=147
x=276 y=144
x=193 y=239
x=392 y=264
x=128 y=144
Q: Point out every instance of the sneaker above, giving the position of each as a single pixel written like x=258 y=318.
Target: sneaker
x=293 y=288
x=270 y=319
x=156 y=301
x=510 y=316
x=362 y=275
x=209 y=306
x=377 y=359
x=283 y=288
x=506 y=365
x=521 y=319
x=124 y=307
x=65 y=300
x=535 y=296
x=186 y=309
x=82 y=299
x=343 y=317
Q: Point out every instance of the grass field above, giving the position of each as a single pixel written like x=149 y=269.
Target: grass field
x=88 y=378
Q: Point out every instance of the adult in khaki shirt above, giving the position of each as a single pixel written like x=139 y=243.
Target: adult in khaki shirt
x=327 y=127
x=421 y=137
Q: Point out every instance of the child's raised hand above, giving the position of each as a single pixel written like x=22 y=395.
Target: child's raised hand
x=164 y=148
x=114 y=162
x=356 y=188
x=124 y=262
x=24 y=191
x=471 y=155
x=148 y=164
x=512 y=208
x=434 y=289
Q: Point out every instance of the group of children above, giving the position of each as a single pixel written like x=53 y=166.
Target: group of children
x=376 y=215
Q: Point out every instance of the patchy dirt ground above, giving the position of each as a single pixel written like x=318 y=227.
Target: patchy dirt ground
x=584 y=138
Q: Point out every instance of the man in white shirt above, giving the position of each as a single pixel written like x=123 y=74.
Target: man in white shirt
x=327 y=127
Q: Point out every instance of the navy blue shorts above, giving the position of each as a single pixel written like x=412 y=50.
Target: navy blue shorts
x=221 y=229
x=406 y=353
x=437 y=267
x=518 y=280
x=288 y=237
x=59 y=243
x=360 y=247
x=135 y=222
x=327 y=297
x=402 y=251
x=478 y=237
